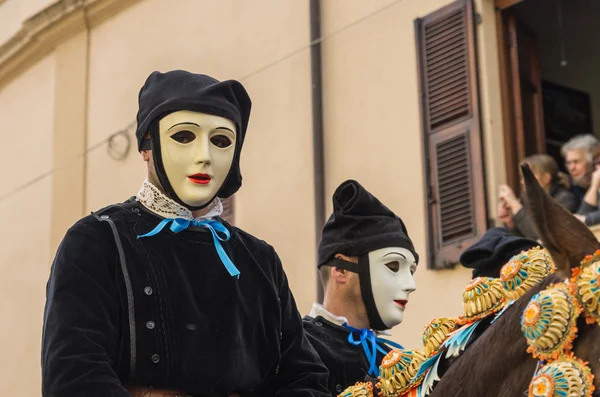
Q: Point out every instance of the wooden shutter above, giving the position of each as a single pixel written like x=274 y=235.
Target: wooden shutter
x=228 y=210
x=454 y=174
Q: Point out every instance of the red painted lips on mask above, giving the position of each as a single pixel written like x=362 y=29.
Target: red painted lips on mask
x=201 y=179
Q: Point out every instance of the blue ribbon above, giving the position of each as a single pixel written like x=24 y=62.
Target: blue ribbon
x=215 y=227
x=370 y=344
x=509 y=304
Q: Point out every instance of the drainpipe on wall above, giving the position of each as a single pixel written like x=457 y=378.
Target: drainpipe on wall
x=86 y=105
x=317 y=122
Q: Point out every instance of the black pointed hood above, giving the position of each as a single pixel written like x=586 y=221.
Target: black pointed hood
x=164 y=93
x=359 y=224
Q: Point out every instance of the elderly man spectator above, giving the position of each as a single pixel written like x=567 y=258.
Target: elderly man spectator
x=579 y=154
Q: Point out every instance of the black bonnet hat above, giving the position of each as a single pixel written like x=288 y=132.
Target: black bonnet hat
x=359 y=224
x=487 y=256
x=164 y=93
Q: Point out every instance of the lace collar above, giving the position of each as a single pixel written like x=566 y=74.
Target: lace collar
x=157 y=202
x=318 y=310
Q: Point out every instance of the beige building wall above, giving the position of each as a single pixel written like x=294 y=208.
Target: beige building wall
x=373 y=129
x=69 y=136
x=14 y=12
x=62 y=109
x=268 y=52
x=492 y=126
x=27 y=112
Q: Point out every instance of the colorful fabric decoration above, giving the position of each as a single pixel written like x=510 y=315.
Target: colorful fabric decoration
x=565 y=377
x=414 y=392
x=549 y=321
x=482 y=297
x=436 y=332
x=360 y=389
x=587 y=280
x=501 y=312
x=430 y=371
x=398 y=372
x=525 y=270
x=458 y=340
x=588 y=260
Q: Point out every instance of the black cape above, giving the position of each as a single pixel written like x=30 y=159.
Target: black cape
x=347 y=364
x=195 y=328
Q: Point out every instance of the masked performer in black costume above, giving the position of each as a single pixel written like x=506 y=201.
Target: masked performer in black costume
x=158 y=292
x=366 y=262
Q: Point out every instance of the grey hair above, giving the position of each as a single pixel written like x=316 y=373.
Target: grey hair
x=588 y=143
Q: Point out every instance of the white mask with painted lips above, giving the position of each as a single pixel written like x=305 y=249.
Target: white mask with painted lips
x=197 y=151
x=391 y=272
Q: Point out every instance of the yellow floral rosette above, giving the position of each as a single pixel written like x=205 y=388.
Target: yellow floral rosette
x=482 y=297
x=549 y=321
x=398 y=372
x=587 y=280
x=525 y=270
x=565 y=377
x=360 y=389
x=435 y=333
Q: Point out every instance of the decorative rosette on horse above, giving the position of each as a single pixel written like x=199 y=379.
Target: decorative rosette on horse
x=546 y=299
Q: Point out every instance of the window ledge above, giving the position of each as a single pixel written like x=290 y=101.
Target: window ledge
x=596 y=230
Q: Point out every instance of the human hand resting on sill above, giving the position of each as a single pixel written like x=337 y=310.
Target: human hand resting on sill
x=595 y=178
x=506 y=194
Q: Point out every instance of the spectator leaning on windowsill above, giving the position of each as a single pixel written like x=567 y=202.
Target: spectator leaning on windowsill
x=588 y=212
x=579 y=153
x=510 y=210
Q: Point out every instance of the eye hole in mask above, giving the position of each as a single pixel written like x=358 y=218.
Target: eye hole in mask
x=220 y=141
x=393 y=266
x=184 y=136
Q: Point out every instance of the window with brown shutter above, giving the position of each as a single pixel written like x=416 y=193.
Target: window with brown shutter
x=454 y=174
x=229 y=210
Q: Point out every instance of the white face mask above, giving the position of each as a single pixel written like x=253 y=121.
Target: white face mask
x=391 y=270
x=197 y=151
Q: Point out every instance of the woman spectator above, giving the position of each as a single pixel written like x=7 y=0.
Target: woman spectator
x=512 y=212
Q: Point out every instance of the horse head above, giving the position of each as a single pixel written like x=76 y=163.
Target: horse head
x=567 y=239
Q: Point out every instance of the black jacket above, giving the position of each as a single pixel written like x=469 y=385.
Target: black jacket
x=195 y=328
x=592 y=213
x=347 y=364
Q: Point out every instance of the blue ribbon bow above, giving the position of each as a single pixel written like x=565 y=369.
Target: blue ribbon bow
x=215 y=227
x=370 y=344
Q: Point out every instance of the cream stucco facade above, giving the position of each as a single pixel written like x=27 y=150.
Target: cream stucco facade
x=70 y=72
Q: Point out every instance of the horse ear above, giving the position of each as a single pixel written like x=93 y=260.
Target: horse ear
x=566 y=238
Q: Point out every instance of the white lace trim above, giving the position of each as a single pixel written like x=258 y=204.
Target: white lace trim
x=318 y=310
x=156 y=201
